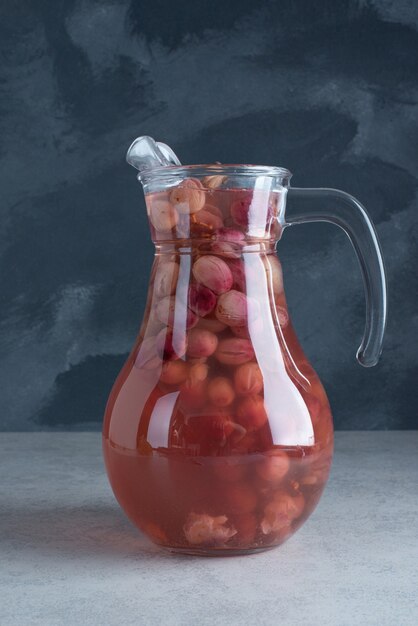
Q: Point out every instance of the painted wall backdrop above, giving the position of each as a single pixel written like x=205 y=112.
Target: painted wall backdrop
x=328 y=89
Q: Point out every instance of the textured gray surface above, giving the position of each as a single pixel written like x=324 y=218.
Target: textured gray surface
x=68 y=556
x=328 y=89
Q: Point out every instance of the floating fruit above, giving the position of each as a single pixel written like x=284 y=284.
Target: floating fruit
x=165 y=279
x=163 y=216
x=201 y=300
x=221 y=392
x=251 y=413
x=201 y=343
x=188 y=196
x=273 y=468
x=248 y=379
x=232 y=308
x=234 y=351
x=213 y=273
x=174 y=372
x=170 y=346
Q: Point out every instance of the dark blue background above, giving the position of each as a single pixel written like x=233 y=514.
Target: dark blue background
x=327 y=89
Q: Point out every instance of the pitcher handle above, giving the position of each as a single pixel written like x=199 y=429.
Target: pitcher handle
x=338 y=207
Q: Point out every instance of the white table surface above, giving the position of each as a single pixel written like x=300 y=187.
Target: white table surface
x=69 y=556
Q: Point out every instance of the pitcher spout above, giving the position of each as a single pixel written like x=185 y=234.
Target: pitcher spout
x=146 y=154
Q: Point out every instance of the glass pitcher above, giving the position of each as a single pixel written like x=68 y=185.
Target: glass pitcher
x=218 y=434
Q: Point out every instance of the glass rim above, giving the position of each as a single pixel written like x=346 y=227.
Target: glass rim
x=215 y=169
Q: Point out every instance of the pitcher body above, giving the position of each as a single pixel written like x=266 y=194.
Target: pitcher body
x=218 y=434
